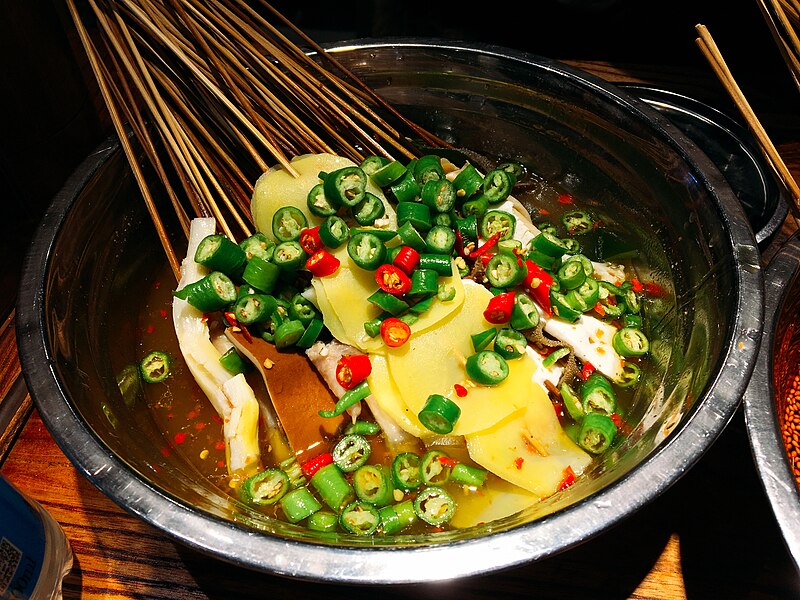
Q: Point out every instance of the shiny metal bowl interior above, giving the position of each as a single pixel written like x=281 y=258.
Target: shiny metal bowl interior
x=96 y=244
x=765 y=398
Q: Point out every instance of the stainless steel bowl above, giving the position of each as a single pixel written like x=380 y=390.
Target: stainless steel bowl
x=764 y=400
x=638 y=169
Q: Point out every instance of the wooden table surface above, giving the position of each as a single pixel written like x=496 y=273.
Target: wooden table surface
x=711 y=535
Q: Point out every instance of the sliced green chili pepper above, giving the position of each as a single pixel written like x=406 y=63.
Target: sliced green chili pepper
x=587 y=265
x=435 y=467
x=434 y=506
x=571 y=274
x=155 y=367
x=261 y=274
x=440 y=240
x=323 y=520
x=288 y=333
x=468 y=475
x=346 y=186
x=578 y=222
x=366 y=250
x=439 y=414
x=259 y=245
x=311 y=333
x=396 y=517
x=373 y=163
x=441 y=263
x=468 y=181
x=388 y=302
x=439 y=195
x=348 y=399
x=360 y=518
x=577 y=301
x=405 y=471
x=510 y=343
x=410 y=236
x=265 y=488
x=597 y=395
x=482 y=340
x=369 y=209
x=475 y=207
x=446 y=292
x=555 y=356
x=302 y=309
x=498 y=221
x=632 y=321
x=589 y=291
x=505 y=270
x=497 y=185
x=218 y=253
x=571 y=402
x=487 y=367
x=289 y=256
x=549 y=244
x=389 y=173
x=333 y=487
x=596 y=433
x=287 y=223
x=422 y=305
x=562 y=308
x=511 y=246
x=373 y=484
x=299 y=504
x=424 y=282
x=416 y=213
x=525 y=314
x=234 y=363
x=427 y=168
x=254 y=308
x=363 y=428
x=209 y=293
x=129 y=381
x=446 y=219
x=512 y=167
x=467 y=227
x=318 y=202
x=630 y=374
x=351 y=452
x=406 y=188
x=630 y=342
x=572 y=246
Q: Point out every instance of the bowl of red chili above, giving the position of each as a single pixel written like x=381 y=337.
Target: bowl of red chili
x=91 y=266
x=772 y=399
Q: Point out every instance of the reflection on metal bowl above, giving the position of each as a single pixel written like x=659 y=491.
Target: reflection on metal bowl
x=572 y=128
x=765 y=400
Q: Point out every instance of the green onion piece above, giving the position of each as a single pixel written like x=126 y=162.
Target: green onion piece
x=406 y=471
x=434 y=506
x=155 y=367
x=299 y=504
x=348 y=399
x=211 y=293
x=360 y=518
x=265 y=488
x=596 y=432
x=630 y=342
x=487 y=367
x=373 y=484
x=351 y=452
x=439 y=414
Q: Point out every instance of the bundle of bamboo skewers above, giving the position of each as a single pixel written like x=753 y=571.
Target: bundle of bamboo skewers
x=214 y=92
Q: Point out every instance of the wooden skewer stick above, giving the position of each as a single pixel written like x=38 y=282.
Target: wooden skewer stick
x=717 y=63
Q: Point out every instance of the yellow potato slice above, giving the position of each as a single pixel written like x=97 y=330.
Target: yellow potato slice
x=528 y=448
x=385 y=393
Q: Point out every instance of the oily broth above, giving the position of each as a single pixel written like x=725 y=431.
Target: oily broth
x=192 y=428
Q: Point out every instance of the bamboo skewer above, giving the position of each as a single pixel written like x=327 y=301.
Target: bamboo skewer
x=717 y=63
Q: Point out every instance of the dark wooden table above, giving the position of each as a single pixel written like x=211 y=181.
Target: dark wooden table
x=712 y=535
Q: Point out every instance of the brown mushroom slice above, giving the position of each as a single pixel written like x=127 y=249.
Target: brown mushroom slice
x=296 y=391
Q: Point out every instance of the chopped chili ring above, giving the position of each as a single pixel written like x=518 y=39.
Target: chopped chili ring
x=322 y=263
x=588 y=369
x=312 y=465
x=352 y=369
x=395 y=332
x=486 y=246
x=392 y=279
x=567 y=479
x=538 y=283
x=310 y=239
x=499 y=308
x=407 y=259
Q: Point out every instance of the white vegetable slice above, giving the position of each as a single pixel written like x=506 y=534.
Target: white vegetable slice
x=237 y=408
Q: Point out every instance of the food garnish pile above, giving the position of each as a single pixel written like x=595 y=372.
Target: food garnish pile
x=431 y=358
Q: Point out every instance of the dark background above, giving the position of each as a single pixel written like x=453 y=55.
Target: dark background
x=51 y=119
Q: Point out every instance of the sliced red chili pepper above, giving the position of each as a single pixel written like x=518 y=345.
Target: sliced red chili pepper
x=231 y=319
x=395 y=332
x=544 y=212
x=352 y=370
x=538 y=283
x=636 y=285
x=312 y=465
x=460 y=244
x=448 y=461
x=310 y=240
x=598 y=308
x=568 y=479
x=407 y=259
x=565 y=199
x=486 y=246
x=654 y=290
x=588 y=369
x=461 y=391
x=322 y=263
x=518 y=462
x=499 y=308
x=391 y=279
